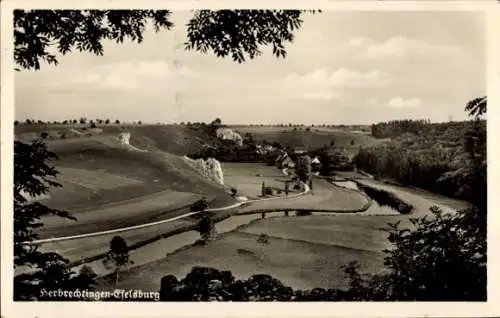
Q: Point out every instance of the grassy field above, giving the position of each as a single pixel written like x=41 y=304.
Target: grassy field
x=305 y=252
x=247 y=178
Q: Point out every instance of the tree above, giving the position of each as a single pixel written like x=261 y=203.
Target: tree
x=34 y=176
x=216 y=122
x=44 y=135
x=199 y=206
x=240 y=34
x=83 y=120
x=304 y=168
x=118 y=255
x=263 y=240
x=16 y=122
x=206 y=227
x=107 y=121
x=117 y=122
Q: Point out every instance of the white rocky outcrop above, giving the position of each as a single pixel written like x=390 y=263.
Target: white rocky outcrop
x=228 y=134
x=124 y=138
x=210 y=169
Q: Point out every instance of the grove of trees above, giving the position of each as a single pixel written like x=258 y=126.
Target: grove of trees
x=437 y=159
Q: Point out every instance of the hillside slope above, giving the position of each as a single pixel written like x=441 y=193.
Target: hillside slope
x=99 y=170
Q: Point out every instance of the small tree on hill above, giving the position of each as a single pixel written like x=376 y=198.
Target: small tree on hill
x=107 y=121
x=118 y=255
x=206 y=227
x=16 y=122
x=117 y=121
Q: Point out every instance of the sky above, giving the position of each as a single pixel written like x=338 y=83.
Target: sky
x=343 y=67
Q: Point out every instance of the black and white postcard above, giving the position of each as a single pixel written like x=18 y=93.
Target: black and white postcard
x=309 y=160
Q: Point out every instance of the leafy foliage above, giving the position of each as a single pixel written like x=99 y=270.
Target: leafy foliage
x=238 y=33
x=304 y=168
x=396 y=128
x=241 y=34
x=477 y=106
x=442 y=259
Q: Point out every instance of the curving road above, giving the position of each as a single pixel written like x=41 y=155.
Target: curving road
x=324 y=196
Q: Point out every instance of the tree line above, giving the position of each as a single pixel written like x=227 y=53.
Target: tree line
x=436 y=160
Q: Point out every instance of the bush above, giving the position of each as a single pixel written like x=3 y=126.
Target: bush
x=44 y=135
x=92 y=125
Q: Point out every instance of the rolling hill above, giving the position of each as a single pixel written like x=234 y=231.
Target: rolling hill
x=98 y=170
x=314 y=138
